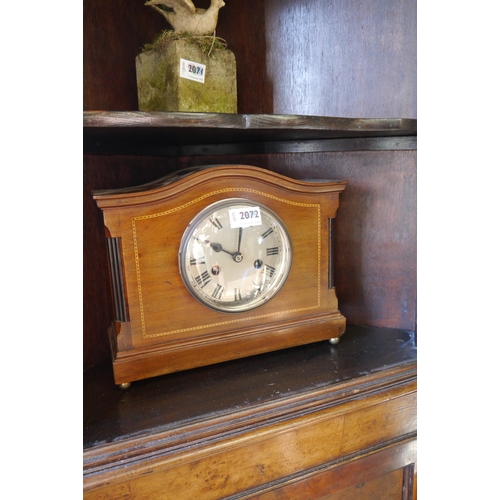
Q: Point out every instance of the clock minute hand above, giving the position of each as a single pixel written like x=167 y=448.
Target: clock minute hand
x=239 y=239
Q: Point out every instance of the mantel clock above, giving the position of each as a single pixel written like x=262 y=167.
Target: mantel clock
x=217 y=263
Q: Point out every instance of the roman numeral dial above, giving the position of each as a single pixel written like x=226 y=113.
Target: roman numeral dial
x=235 y=255
x=203 y=279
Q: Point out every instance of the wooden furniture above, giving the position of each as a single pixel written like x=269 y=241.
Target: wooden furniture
x=284 y=295
x=315 y=421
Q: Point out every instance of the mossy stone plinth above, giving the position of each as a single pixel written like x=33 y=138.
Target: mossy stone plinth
x=160 y=87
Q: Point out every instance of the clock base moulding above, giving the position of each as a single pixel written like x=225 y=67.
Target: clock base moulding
x=150 y=362
x=161 y=325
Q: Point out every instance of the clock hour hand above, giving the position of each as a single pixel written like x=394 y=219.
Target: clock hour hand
x=217 y=247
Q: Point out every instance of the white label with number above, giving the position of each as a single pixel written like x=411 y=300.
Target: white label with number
x=192 y=71
x=245 y=217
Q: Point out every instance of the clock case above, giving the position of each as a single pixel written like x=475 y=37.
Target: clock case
x=158 y=326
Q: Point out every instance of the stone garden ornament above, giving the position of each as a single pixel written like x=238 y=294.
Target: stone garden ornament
x=189 y=68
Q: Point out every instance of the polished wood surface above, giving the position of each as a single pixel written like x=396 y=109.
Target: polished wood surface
x=166 y=329
x=333 y=57
x=388 y=474
x=375 y=231
x=238 y=464
x=256 y=424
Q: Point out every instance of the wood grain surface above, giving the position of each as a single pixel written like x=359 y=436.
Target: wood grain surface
x=361 y=393
x=167 y=329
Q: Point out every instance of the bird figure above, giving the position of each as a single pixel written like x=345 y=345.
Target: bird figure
x=183 y=16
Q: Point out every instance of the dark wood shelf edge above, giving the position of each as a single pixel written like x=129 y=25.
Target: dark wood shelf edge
x=95 y=146
x=373 y=360
x=162 y=119
x=191 y=134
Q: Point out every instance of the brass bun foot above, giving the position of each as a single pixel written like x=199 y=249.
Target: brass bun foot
x=125 y=385
x=334 y=341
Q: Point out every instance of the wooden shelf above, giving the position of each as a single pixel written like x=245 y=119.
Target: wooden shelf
x=174 y=411
x=188 y=134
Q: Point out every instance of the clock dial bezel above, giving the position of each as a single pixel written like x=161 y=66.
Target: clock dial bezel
x=199 y=257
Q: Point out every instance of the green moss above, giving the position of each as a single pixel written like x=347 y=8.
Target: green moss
x=205 y=43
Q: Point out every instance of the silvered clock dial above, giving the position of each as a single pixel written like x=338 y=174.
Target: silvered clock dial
x=235 y=255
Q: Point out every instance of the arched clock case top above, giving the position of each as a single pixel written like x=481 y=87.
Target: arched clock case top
x=191 y=287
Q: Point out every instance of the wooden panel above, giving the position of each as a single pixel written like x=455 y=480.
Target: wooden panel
x=386 y=487
x=242 y=25
x=112 y=37
x=375 y=231
x=342 y=57
x=385 y=474
x=247 y=460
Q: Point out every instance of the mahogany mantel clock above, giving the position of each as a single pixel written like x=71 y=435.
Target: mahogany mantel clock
x=218 y=263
